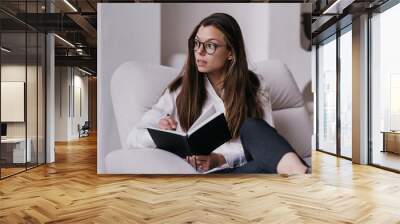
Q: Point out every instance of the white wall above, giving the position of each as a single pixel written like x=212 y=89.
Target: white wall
x=66 y=121
x=178 y=21
x=284 y=41
x=298 y=61
x=80 y=115
x=80 y=103
x=61 y=103
x=125 y=32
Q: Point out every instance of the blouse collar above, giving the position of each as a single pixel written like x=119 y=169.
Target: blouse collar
x=211 y=89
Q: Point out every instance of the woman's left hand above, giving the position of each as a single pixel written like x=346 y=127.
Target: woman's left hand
x=205 y=163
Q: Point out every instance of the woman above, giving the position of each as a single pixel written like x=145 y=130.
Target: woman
x=216 y=74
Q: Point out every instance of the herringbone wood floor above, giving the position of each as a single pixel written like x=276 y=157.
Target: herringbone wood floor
x=70 y=191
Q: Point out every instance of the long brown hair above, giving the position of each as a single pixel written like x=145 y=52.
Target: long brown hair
x=240 y=85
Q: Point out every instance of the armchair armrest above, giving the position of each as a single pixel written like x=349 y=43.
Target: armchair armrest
x=146 y=161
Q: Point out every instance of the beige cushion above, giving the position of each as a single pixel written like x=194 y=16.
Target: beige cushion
x=295 y=126
x=281 y=85
x=135 y=87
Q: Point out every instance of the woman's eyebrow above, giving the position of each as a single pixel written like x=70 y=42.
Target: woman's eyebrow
x=207 y=39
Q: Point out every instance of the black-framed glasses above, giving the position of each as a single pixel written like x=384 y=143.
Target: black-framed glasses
x=209 y=46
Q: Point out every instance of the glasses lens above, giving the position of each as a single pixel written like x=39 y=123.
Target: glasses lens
x=210 y=47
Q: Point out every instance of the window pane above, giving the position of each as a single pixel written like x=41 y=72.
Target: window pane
x=31 y=87
x=385 y=86
x=346 y=94
x=41 y=98
x=22 y=102
x=327 y=97
x=13 y=86
x=31 y=100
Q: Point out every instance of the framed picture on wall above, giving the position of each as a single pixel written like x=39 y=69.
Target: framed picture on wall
x=12 y=101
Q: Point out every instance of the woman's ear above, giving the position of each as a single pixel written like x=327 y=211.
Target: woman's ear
x=230 y=57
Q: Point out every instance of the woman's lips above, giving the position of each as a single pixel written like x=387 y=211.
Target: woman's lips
x=201 y=62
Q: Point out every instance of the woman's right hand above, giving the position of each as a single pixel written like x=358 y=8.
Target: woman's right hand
x=167 y=123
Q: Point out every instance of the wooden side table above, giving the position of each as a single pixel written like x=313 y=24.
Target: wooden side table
x=391 y=141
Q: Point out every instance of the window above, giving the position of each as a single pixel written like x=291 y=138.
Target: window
x=346 y=93
x=326 y=60
x=22 y=77
x=334 y=63
x=385 y=89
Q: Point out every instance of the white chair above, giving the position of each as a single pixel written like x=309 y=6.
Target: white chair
x=136 y=86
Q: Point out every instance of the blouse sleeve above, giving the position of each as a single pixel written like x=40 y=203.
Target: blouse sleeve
x=139 y=137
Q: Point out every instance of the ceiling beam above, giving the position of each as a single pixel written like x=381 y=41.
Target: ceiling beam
x=82 y=61
x=337 y=7
x=86 y=26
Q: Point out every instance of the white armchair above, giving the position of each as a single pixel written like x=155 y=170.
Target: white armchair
x=136 y=86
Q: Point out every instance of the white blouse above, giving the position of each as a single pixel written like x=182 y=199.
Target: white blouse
x=231 y=150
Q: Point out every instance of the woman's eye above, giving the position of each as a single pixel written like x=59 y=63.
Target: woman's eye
x=210 y=45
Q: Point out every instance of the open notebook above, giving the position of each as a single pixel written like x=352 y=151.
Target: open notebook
x=206 y=134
